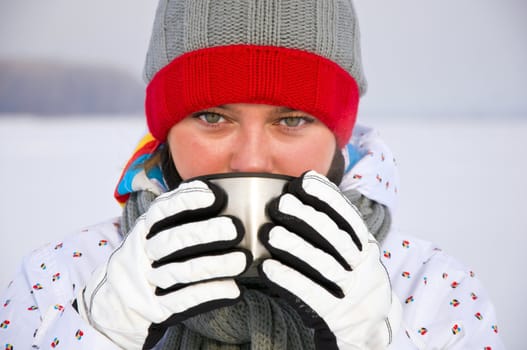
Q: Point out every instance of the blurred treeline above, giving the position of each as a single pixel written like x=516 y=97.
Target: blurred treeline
x=59 y=88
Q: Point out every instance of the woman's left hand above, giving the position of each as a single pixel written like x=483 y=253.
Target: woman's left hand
x=324 y=257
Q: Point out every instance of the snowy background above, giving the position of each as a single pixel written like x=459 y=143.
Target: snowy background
x=447 y=91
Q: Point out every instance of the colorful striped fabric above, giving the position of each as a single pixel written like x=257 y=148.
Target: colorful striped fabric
x=134 y=177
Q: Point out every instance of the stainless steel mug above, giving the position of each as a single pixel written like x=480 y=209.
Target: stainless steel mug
x=247 y=197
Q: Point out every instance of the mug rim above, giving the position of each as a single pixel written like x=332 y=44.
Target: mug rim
x=241 y=175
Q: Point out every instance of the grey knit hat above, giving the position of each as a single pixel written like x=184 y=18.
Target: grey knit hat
x=302 y=54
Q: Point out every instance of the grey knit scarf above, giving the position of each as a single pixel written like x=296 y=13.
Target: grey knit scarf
x=258 y=321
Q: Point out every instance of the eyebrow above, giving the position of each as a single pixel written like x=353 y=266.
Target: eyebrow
x=286 y=109
x=277 y=109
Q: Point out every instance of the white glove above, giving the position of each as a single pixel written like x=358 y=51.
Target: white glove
x=178 y=261
x=324 y=257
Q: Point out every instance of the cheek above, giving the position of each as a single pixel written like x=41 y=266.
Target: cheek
x=193 y=155
x=314 y=154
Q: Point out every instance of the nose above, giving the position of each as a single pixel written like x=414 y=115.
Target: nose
x=252 y=152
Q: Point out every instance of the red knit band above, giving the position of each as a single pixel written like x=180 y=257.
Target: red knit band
x=252 y=74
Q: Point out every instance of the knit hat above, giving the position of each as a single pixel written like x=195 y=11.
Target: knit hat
x=301 y=54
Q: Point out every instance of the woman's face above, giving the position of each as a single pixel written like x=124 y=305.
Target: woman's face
x=250 y=138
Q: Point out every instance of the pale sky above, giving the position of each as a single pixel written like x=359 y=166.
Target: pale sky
x=98 y=31
x=445 y=57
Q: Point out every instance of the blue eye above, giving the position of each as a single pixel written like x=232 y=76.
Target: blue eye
x=210 y=118
x=295 y=122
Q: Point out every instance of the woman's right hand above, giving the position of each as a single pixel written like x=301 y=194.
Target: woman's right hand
x=179 y=260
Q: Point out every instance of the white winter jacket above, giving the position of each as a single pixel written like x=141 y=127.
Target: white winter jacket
x=444 y=304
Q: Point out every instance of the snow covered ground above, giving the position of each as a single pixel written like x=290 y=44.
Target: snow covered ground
x=463 y=186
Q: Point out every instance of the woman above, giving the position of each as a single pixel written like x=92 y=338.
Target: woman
x=268 y=87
